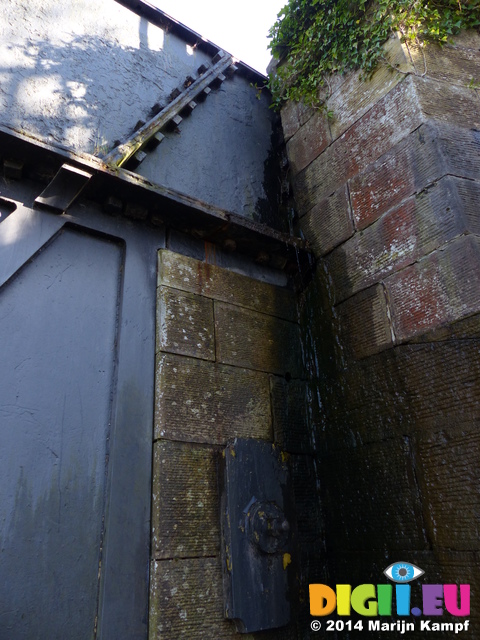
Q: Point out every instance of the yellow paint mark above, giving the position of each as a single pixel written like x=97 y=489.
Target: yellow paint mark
x=287 y=559
x=228 y=558
x=284 y=457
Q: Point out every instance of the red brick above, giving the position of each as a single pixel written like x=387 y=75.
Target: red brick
x=441 y=288
x=308 y=142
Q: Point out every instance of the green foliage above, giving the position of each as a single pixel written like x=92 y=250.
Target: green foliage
x=316 y=38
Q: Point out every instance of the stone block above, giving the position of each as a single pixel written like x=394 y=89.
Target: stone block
x=445 y=102
x=294 y=115
x=469 y=196
x=185 y=504
x=461 y=150
x=308 y=142
x=294 y=407
x=289 y=116
x=365 y=322
x=357 y=95
x=464 y=329
x=375 y=486
x=409 y=167
x=185 y=324
x=329 y=222
x=440 y=289
x=450 y=477
x=426 y=155
x=308 y=502
x=403 y=235
x=458 y=567
x=440 y=383
x=469 y=39
x=188 y=274
x=394 y=116
x=256 y=341
x=406 y=390
x=186 y=600
x=449 y=64
x=200 y=401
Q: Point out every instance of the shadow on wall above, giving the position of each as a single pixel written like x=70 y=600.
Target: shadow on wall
x=86 y=91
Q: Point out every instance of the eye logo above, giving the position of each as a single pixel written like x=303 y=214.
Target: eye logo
x=403 y=572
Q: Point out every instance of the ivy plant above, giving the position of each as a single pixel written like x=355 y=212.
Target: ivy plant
x=313 y=39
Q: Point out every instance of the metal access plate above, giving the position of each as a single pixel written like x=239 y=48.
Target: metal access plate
x=259 y=533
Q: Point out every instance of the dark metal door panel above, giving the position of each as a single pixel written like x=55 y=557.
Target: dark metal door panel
x=22 y=234
x=58 y=336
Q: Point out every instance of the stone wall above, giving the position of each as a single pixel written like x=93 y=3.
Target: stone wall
x=229 y=364
x=387 y=194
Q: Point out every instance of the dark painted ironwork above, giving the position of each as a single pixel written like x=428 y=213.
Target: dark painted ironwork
x=64 y=189
x=77 y=301
x=259 y=534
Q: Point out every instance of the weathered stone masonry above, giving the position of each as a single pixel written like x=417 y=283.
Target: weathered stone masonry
x=229 y=364
x=388 y=196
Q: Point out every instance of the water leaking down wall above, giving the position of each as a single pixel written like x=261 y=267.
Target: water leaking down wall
x=388 y=195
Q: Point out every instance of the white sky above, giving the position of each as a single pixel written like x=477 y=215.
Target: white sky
x=240 y=28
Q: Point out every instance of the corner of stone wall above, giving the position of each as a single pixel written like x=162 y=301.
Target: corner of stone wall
x=387 y=195
x=228 y=365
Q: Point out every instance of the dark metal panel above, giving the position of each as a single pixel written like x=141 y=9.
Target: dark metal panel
x=123 y=597
x=259 y=535
x=22 y=234
x=123 y=609
x=58 y=353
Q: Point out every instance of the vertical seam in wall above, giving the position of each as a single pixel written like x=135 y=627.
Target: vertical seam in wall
x=214 y=332
x=270 y=395
x=420 y=494
x=388 y=307
x=350 y=208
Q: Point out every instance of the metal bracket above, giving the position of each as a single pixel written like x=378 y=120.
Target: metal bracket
x=64 y=189
x=259 y=535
